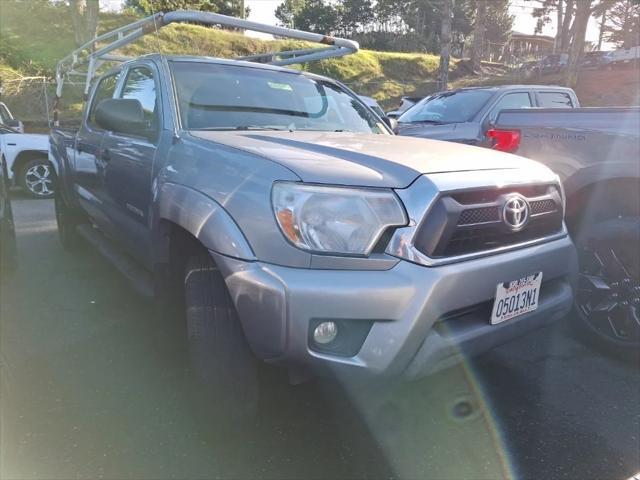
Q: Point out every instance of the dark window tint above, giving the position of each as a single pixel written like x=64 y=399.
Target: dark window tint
x=555 y=100
x=106 y=89
x=511 y=100
x=141 y=86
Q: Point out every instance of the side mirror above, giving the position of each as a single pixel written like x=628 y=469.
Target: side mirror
x=391 y=122
x=15 y=124
x=122 y=115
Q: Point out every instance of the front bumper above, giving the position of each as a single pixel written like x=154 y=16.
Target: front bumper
x=422 y=318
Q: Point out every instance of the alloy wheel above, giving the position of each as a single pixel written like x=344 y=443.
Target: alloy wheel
x=39 y=180
x=608 y=294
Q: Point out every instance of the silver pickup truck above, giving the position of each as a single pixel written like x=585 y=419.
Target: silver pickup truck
x=596 y=152
x=294 y=228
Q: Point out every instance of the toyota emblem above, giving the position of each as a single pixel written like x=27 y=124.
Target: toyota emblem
x=515 y=212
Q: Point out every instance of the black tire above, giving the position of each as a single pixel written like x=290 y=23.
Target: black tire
x=67 y=219
x=38 y=178
x=222 y=365
x=607 y=306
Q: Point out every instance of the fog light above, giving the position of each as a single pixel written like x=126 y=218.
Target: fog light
x=326 y=332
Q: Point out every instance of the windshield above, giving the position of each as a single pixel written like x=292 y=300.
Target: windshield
x=4 y=113
x=228 y=97
x=448 y=107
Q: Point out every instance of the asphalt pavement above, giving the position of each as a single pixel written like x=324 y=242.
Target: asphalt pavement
x=87 y=393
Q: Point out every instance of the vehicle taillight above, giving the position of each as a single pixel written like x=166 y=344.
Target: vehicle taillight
x=504 y=140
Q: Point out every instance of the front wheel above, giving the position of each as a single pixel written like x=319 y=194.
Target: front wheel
x=222 y=364
x=608 y=295
x=38 y=178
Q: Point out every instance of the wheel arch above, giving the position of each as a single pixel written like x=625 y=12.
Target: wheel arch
x=25 y=156
x=600 y=197
x=184 y=211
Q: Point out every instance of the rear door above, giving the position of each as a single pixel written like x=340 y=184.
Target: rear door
x=87 y=164
x=128 y=159
x=510 y=100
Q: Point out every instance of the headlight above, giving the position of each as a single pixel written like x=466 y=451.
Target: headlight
x=335 y=219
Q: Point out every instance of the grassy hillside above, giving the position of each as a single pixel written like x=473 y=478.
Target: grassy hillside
x=35 y=36
x=34 y=39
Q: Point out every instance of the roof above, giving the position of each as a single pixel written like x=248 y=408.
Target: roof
x=221 y=61
x=514 y=87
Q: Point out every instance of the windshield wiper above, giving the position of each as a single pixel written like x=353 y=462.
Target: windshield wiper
x=243 y=127
x=258 y=127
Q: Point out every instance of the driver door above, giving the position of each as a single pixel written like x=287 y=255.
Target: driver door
x=127 y=162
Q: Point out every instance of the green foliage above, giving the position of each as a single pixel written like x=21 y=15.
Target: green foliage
x=622 y=22
x=224 y=7
x=498 y=22
x=404 y=25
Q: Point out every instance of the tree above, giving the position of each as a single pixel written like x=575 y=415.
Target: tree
x=622 y=23
x=478 y=34
x=445 y=43
x=564 y=10
x=232 y=8
x=317 y=16
x=287 y=11
x=355 y=15
x=404 y=25
x=84 y=17
x=579 y=27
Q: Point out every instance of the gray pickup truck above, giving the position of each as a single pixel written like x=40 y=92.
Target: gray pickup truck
x=297 y=230
x=465 y=115
x=596 y=152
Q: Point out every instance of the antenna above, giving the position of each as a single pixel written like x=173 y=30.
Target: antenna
x=155 y=24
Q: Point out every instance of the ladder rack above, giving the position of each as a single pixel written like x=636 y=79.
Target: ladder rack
x=85 y=60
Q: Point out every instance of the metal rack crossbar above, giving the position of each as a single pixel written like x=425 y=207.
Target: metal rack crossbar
x=85 y=60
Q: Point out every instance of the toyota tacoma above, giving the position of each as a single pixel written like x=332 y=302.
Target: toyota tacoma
x=295 y=229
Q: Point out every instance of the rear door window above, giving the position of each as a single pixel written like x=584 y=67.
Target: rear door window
x=511 y=100
x=555 y=100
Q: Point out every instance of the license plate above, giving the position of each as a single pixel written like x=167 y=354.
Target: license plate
x=516 y=298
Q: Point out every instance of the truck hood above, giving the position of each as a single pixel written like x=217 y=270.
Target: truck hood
x=362 y=159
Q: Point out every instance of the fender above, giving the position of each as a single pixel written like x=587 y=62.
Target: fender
x=61 y=146
x=598 y=173
x=204 y=218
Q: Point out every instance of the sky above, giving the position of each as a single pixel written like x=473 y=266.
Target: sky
x=263 y=11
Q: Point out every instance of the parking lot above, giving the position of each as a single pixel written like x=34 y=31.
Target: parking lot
x=87 y=393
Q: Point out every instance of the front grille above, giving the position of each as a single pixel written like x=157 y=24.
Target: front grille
x=479 y=215
x=475 y=240
x=457 y=226
x=542 y=206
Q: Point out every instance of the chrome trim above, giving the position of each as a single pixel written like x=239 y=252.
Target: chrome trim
x=414 y=255
x=422 y=194
x=464 y=225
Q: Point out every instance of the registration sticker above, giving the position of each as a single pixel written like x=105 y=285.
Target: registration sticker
x=516 y=298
